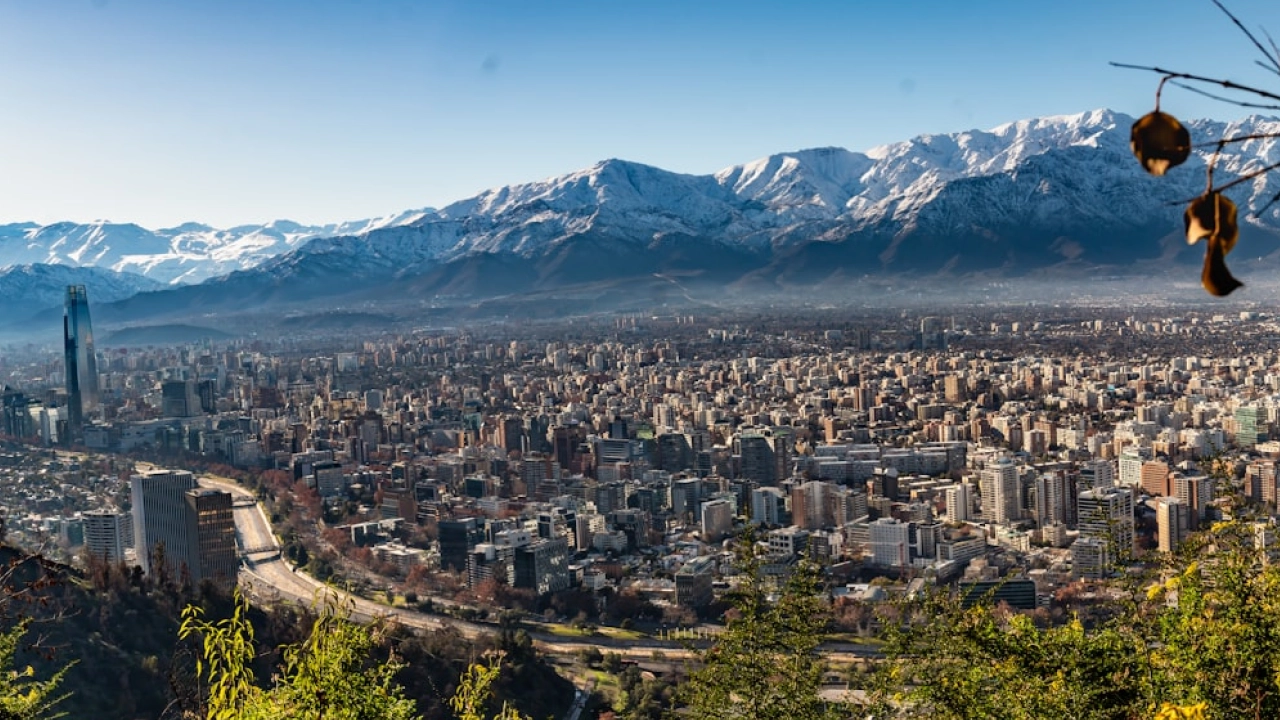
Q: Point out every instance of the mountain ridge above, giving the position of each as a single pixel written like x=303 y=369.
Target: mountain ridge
x=1022 y=197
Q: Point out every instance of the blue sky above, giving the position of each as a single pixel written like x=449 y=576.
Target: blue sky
x=240 y=111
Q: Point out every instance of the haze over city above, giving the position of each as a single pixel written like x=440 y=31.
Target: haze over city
x=715 y=361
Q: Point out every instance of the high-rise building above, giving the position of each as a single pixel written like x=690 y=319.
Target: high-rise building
x=766 y=505
x=1173 y=521
x=1131 y=459
x=890 y=542
x=1105 y=519
x=1197 y=492
x=1251 y=426
x=211 y=537
x=456 y=539
x=758 y=460
x=180 y=398
x=717 y=519
x=1154 y=478
x=107 y=534
x=1000 y=489
x=1052 y=499
x=960 y=502
x=542 y=565
x=80 y=362
x=694 y=582
x=1097 y=473
x=160 y=517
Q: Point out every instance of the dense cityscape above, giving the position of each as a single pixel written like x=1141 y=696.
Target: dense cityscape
x=510 y=465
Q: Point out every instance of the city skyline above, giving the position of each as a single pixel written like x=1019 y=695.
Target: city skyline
x=322 y=112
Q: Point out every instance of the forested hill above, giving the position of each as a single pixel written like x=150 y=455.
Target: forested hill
x=120 y=632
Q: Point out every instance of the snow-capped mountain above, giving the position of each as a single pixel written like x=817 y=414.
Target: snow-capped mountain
x=188 y=253
x=1024 y=196
x=1025 y=193
x=26 y=289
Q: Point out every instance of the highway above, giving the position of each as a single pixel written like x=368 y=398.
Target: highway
x=266 y=573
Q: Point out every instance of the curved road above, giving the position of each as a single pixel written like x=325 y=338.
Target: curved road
x=264 y=571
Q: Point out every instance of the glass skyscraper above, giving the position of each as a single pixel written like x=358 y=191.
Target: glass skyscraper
x=81 y=363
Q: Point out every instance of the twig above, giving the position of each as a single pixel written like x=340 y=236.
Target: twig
x=1275 y=48
x=1272 y=201
x=1274 y=65
x=1239 y=138
x=1221 y=98
x=1249 y=176
x=1228 y=84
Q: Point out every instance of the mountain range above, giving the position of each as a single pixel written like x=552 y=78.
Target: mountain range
x=1046 y=195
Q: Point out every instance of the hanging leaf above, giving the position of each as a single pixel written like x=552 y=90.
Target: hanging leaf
x=1212 y=215
x=1215 y=277
x=1159 y=142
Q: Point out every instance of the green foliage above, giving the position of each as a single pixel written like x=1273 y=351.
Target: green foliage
x=327 y=676
x=1202 y=642
x=1217 y=633
x=982 y=662
x=474 y=690
x=22 y=696
x=765 y=665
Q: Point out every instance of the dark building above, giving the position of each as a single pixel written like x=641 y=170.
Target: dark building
x=694 y=581
x=1019 y=593
x=543 y=565
x=211 y=534
x=81 y=363
x=458 y=538
x=16 y=420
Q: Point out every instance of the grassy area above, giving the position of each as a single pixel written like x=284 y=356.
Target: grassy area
x=852 y=639
x=564 y=630
x=621 y=634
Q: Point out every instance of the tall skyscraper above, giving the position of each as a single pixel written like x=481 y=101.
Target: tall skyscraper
x=81 y=363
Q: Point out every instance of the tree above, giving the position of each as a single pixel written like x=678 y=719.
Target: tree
x=22 y=696
x=474 y=691
x=1161 y=142
x=1199 y=640
x=327 y=676
x=765 y=665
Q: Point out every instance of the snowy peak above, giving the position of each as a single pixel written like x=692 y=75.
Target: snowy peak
x=187 y=253
x=26 y=289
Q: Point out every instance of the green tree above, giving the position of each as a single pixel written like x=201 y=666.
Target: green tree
x=328 y=676
x=954 y=663
x=475 y=689
x=22 y=696
x=765 y=665
x=1200 y=639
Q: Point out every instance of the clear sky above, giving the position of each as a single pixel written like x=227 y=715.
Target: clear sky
x=243 y=111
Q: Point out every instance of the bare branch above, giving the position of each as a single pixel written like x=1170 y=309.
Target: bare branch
x=1228 y=84
x=1249 y=176
x=1265 y=66
x=1273 y=66
x=1274 y=48
x=1272 y=201
x=1240 y=138
x=1221 y=98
